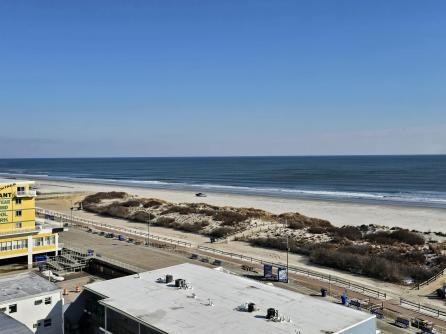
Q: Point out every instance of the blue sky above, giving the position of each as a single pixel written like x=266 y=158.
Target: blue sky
x=179 y=78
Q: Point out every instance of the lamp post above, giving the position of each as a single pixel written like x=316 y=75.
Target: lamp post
x=148 y=230
x=287 y=251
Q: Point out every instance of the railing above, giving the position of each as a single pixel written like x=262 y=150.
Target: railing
x=98 y=256
x=119 y=264
x=430 y=280
x=423 y=308
x=28 y=193
x=19 y=231
x=121 y=230
x=306 y=272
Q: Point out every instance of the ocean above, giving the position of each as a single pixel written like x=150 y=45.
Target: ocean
x=409 y=180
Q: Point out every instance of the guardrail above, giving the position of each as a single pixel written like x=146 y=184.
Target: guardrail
x=64 y=218
x=306 y=272
x=423 y=308
x=430 y=280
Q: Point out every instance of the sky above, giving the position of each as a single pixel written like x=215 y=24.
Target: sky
x=199 y=78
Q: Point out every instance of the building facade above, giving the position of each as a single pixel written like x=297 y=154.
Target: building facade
x=20 y=236
x=33 y=301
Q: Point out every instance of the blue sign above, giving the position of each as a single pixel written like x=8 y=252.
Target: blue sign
x=267 y=271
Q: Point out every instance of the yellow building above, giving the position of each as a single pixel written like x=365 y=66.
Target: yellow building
x=20 y=236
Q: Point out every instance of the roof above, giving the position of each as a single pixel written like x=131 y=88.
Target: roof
x=9 y=181
x=10 y=325
x=23 y=285
x=174 y=310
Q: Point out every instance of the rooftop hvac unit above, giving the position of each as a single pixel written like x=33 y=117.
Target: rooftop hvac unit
x=169 y=278
x=272 y=313
x=180 y=283
x=251 y=307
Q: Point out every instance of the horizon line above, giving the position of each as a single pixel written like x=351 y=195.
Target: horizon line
x=232 y=156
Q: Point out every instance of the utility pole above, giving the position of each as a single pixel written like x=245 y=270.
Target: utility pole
x=287 y=251
x=148 y=230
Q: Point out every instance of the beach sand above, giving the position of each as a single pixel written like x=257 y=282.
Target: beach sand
x=338 y=213
x=60 y=196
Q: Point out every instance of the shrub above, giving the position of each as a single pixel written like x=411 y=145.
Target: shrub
x=349 y=232
x=181 y=209
x=116 y=210
x=390 y=238
x=131 y=203
x=294 y=217
x=228 y=217
x=296 y=225
x=410 y=238
x=317 y=230
x=206 y=211
x=164 y=221
x=151 y=202
x=143 y=217
x=221 y=232
x=192 y=227
x=169 y=222
x=98 y=197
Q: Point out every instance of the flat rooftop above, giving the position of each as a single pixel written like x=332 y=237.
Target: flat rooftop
x=9 y=181
x=175 y=310
x=23 y=285
x=10 y=325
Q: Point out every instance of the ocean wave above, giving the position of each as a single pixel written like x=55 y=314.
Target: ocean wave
x=420 y=198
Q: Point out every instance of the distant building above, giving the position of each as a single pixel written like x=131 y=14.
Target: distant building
x=20 y=236
x=32 y=301
x=202 y=300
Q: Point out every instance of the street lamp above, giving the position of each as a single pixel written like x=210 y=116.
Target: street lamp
x=148 y=231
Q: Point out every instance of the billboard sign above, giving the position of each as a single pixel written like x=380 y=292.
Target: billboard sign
x=268 y=271
x=282 y=274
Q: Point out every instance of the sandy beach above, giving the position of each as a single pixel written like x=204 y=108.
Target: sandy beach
x=60 y=196
x=338 y=213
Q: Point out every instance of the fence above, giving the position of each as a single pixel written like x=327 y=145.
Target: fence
x=64 y=218
x=430 y=280
x=301 y=271
x=423 y=308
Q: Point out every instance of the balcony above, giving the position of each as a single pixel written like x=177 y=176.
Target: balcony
x=26 y=193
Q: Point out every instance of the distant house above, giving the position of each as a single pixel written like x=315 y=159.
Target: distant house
x=31 y=301
x=191 y=299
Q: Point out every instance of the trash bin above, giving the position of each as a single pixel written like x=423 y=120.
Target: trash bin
x=324 y=292
x=344 y=299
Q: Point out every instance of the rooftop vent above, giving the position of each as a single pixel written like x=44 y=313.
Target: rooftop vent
x=169 y=278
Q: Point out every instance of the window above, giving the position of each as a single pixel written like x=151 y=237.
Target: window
x=20 y=189
x=13 y=308
x=38 y=302
x=18 y=225
x=47 y=300
x=18 y=213
x=18 y=201
x=47 y=323
x=2 y=309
